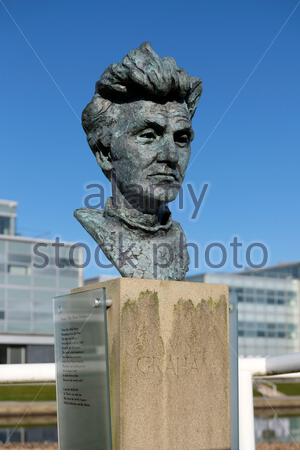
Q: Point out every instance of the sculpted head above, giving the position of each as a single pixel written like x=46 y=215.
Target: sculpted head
x=138 y=125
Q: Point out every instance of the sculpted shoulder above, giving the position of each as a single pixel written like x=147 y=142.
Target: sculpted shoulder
x=95 y=223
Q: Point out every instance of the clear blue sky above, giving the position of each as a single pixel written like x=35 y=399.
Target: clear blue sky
x=247 y=125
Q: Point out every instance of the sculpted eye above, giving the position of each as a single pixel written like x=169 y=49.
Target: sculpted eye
x=182 y=138
x=147 y=136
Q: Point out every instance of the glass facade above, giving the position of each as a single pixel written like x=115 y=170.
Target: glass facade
x=26 y=291
x=32 y=272
x=268 y=311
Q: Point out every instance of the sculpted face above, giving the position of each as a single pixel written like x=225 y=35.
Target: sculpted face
x=150 y=150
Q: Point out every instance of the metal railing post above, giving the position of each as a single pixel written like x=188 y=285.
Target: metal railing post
x=246 y=411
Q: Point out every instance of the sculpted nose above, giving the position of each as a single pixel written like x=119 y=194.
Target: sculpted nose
x=168 y=152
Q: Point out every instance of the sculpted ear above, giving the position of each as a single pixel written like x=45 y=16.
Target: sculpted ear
x=103 y=158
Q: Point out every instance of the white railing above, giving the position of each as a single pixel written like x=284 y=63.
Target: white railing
x=27 y=373
x=285 y=365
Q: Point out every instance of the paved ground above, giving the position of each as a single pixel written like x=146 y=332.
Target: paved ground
x=30 y=446
x=279 y=446
x=53 y=446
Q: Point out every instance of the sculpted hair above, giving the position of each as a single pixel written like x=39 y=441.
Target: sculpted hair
x=142 y=74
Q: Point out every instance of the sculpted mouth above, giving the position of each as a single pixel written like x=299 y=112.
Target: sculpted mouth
x=166 y=176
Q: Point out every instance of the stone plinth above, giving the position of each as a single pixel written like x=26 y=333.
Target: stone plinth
x=169 y=364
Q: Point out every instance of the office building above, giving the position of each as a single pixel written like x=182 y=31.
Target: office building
x=26 y=291
x=268 y=308
x=283 y=271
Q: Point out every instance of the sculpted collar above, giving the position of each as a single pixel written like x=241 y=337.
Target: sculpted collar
x=135 y=219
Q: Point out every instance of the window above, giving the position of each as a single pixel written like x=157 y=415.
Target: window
x=18 y=270
x=64 y=262
x=39 y=353
x=19 y=258
x=261 y=333
x=2 y=315
x=262 y=296
x=3 y=356
x=16 y=355
x=267 y=330
x=4 y=225
x=73 y=273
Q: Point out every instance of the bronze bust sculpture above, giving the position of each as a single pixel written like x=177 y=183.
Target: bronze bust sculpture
x=138 y=126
